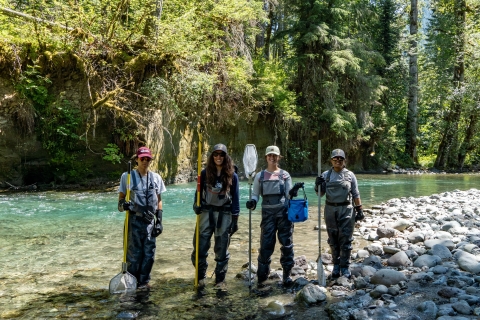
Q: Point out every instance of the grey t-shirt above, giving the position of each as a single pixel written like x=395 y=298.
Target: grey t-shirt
x=157 y=182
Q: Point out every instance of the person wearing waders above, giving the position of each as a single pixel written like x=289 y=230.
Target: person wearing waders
x=275 y=187
x=219 y=209
x=343 y=208
x=145 y=219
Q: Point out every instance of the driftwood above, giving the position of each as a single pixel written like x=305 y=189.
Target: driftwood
x=17 y=14
x=21 y=188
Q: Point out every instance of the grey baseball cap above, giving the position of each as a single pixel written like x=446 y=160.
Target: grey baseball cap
x=338 y=153
x=220 y=147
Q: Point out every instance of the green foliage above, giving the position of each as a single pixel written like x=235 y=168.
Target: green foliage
x=272 y=82
x=33 y=85
x=112 y=153
x=58 y=126
x=297 y=157
x=332 y=69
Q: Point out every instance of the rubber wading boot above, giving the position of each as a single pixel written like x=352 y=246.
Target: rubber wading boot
x=201 y=284
x=287 y=279
x=336 y=271
x=345 y=272
x=222 y=286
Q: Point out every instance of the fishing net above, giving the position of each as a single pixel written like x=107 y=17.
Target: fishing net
x=250 y=158
x=123 y=282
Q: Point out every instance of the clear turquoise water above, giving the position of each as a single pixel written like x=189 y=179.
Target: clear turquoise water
x=59 y=250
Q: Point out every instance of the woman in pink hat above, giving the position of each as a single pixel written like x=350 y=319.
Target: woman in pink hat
x=145 y=220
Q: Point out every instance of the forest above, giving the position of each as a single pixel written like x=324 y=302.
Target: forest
x=393 y=82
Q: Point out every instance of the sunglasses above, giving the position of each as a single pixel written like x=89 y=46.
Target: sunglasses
x=145 y=159
x=219 y=154
x=338 y=159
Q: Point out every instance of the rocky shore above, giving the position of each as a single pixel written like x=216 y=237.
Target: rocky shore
x=421 y=261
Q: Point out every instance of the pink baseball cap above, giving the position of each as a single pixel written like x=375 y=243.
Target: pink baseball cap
x=144 y=152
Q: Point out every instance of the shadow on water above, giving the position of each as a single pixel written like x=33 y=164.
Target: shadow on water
x=168 y=299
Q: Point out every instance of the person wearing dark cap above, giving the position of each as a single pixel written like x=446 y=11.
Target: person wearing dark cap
x=275 y=186
x=219 y=210
x=343 y=208
x=145 y=220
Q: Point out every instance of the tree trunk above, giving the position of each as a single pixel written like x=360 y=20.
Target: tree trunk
x=412 y=112
x=447 y=155
x=468 y=144
x=260 y=38
x=269 y=29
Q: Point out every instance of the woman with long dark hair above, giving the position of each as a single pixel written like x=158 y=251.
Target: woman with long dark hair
x=219 y=210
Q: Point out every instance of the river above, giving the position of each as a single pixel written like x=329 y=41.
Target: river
x=59 y=250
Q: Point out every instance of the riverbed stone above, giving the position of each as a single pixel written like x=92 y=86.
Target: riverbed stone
x=428 y=308
x=447 y=243
x=400 y=224
x=427 y=260
x=378 y=291
x=375 y=249
x=399 y=259
x=373 y=261
x=387 y=277
x=467 y=261
x=450 y=224
x=310 y=294
x=439 y=270
x=442 y=251
x=275 y=308
x=361 y=254
x=449 y=292
x=390 y=250
x=416 y=237
x=386 y=232
x=462 y=307
x=389 y=210
x=442 y=235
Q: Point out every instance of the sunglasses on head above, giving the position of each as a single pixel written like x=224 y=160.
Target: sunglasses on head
x=219 y=154
x=338 y=159
x=145 y=159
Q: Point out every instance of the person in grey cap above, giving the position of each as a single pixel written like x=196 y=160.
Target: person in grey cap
x=343 y=208
x=219 y=210
x=275 y=187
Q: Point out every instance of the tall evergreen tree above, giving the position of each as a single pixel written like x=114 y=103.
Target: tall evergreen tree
x=411 y=124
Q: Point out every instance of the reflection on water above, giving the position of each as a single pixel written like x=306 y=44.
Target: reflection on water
x=58 y=252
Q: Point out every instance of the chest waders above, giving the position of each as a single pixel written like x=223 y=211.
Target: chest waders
x=274 y=223
x=141 y=244
x=215 y=219
x=339 y=218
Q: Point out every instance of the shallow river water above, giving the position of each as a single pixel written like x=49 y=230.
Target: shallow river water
x=59 y=250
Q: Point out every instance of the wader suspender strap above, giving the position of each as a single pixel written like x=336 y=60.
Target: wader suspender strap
x=262 y=175
x=328 y=180
x=134 y=183
x=211 y=218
